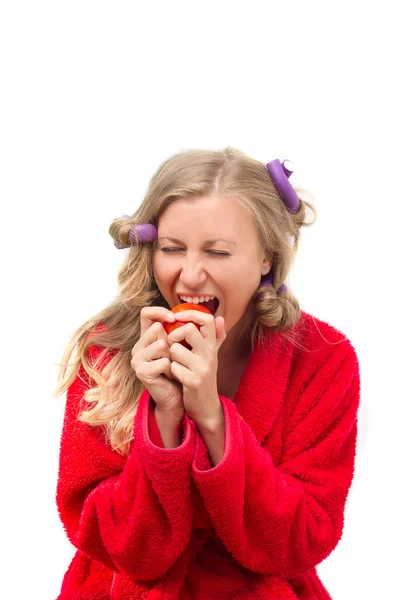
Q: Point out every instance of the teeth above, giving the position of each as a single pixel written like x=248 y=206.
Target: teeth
x=197 y=299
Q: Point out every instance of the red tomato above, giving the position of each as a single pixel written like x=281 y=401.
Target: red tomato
x=180 y=308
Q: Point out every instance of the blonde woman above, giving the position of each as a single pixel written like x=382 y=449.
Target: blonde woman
x=219 y=468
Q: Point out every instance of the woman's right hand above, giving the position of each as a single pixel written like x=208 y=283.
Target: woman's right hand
x=151 y=361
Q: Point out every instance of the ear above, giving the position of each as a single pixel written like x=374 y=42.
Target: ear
x=267 y=264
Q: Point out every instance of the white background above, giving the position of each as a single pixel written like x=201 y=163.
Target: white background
x=94 y=95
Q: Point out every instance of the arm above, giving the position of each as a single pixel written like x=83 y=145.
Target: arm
x=282 y=520
x=133 y=514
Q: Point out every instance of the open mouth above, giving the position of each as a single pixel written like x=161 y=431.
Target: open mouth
x=211 y=305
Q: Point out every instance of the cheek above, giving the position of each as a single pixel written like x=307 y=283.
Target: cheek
x=163 y=271
x=228 y=281
x=159 y=264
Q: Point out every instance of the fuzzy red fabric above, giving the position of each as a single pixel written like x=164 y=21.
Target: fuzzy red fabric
x=163 y=524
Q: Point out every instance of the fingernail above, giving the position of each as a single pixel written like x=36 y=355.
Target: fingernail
x=177 y=315
x=170 y=316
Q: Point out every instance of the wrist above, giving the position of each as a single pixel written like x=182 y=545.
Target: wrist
x=213 y=422
x=170 y=427
x=169 y=414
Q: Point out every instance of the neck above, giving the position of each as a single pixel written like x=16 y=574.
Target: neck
x=234 y=347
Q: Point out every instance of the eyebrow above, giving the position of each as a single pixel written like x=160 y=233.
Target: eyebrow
x=206 y=243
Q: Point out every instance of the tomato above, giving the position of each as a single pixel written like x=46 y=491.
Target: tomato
x=180 y=308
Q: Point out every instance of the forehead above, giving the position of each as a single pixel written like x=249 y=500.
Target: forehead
x=209 y=217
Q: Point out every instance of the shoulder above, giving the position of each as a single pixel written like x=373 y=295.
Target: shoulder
x=318 y=347
x=324 y=353
x=318 y=336
x=324 y=371
x=310 y=340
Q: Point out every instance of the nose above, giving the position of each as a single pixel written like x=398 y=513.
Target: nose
x=192 y=273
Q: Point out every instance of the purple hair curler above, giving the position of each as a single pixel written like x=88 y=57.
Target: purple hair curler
x=280 y=176
x=138 y=233
x=269 y=280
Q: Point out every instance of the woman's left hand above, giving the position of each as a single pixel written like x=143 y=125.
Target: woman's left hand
x=196 y=369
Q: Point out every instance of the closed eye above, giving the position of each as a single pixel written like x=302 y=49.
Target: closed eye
x=214 y=252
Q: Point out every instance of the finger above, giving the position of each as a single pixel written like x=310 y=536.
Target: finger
x=179 y=372
x=154 y=333
x=161 y=346
x=192 y=336
x=162 y=366
x=157 y=349
x=151 y=371
x=151 y=314
x=182 y=333
x=180 y=354
x=194 y=315
x=153 y=353
x=206 y=322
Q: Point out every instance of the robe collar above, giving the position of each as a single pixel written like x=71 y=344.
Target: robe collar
x=263 y=386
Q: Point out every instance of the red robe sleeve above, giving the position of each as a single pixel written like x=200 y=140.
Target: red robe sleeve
x=133 y=514
x=281 y=520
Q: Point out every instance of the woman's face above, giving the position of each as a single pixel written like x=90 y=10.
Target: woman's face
x=229 y=268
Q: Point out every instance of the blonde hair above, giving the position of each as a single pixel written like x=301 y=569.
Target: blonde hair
x=189 y=174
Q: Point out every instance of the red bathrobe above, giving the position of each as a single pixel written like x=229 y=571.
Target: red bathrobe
x=164 y=524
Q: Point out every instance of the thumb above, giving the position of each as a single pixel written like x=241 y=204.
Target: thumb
x=220 y=330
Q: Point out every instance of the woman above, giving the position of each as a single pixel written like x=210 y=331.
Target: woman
x=218 y=468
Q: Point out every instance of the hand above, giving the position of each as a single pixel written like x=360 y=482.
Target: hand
x=151 y=358
x=196 y=369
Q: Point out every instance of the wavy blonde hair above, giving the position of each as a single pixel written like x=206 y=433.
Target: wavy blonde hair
x=189 y=174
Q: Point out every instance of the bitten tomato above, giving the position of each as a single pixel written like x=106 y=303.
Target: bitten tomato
x=180 y=308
